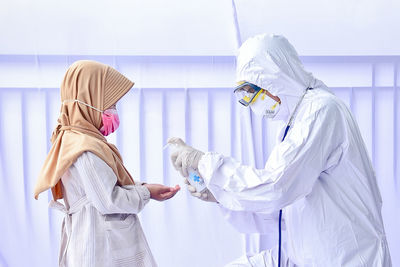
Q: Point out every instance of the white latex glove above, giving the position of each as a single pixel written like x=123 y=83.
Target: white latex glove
x=206 y=195
x=184 y=157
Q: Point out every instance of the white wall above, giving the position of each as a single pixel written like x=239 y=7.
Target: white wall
x=324 y=27
x=122 y=27
x=174 y=27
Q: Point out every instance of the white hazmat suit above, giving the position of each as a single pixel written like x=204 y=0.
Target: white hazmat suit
x=320 y=175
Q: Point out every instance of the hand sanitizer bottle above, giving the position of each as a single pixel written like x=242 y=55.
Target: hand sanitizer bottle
x=194 y=178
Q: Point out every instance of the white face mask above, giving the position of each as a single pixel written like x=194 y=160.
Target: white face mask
x=265 y=106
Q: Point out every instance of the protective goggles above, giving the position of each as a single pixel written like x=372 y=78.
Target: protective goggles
x=247 y=93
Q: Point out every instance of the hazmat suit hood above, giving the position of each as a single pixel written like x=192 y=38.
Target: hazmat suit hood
x=271 y=62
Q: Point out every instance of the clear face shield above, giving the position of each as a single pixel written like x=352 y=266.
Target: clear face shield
x=261 y=104
x=246 y=93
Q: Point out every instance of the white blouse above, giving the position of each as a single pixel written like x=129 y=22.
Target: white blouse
x=101 y=227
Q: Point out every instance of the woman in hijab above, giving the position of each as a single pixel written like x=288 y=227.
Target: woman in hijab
x=101 y=199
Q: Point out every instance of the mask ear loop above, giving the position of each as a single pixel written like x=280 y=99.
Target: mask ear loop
x=274 y=106
x=83 y=103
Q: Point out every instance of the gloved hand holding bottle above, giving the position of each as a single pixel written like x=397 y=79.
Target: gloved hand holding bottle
x=186 y=159
x=204 y=195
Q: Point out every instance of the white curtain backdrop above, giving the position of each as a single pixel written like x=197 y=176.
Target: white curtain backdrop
x=186 y=96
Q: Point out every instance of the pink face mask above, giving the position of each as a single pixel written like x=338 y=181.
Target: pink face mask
x=109 y=116
x=110 y=121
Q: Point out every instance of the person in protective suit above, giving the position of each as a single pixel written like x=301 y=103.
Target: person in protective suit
x=318 y=179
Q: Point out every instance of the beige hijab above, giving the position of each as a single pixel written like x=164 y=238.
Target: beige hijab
x=78 y=126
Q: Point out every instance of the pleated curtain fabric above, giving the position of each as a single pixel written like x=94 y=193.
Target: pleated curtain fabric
x=189 y=97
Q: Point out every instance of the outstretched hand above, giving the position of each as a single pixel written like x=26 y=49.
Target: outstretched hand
x=162 y=192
